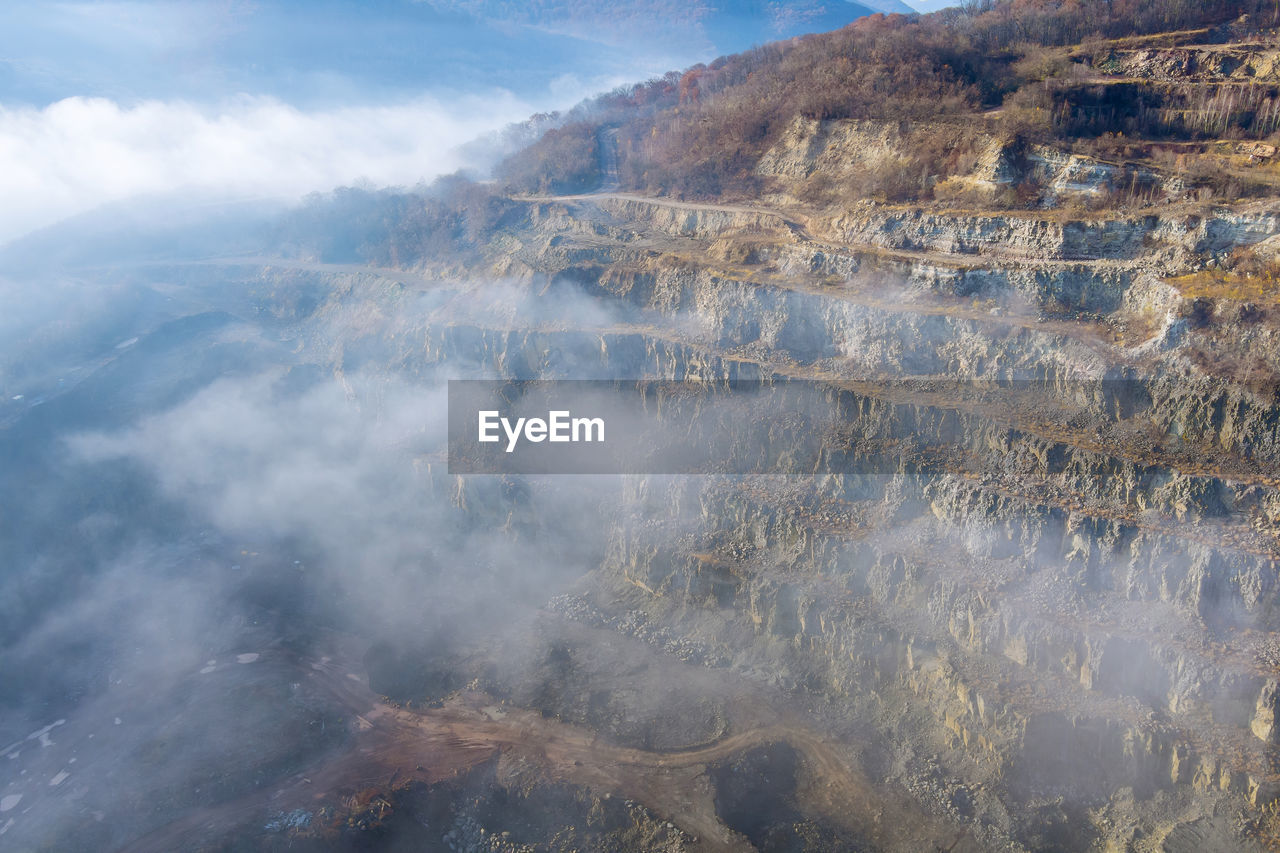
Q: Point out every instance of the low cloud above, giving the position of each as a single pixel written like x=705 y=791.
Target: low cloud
x=79 y=153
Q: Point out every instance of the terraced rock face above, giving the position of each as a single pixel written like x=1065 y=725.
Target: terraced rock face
x=1040 y=614
x=1059 y=610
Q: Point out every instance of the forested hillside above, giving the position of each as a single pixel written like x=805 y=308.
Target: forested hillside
x=1036 y=70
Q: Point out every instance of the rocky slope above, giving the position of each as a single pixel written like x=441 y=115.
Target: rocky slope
x=1019 y=590
x=1039 y=612
x=1059 y=612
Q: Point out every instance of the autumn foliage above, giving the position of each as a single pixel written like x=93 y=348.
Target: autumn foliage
x=700 y=133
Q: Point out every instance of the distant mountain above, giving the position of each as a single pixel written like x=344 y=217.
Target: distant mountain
x=889 y=7
x=322 y=51
x=723 y=26
x=736 y=24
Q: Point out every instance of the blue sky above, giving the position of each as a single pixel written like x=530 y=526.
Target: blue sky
x=302 y=52
x=330 y=51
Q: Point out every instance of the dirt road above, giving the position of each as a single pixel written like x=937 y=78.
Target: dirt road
x=392 y=745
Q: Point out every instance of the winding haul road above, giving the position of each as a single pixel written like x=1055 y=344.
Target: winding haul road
x=392 y=746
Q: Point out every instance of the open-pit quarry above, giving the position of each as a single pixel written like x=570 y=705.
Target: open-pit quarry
x=1050 y=624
